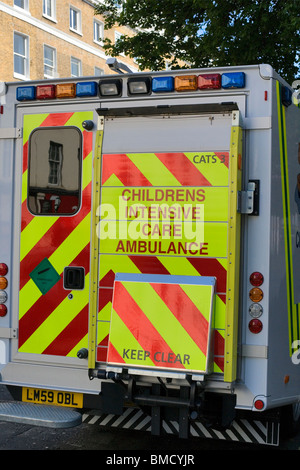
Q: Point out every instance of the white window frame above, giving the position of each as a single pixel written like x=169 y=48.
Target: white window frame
x=26 y=75
x=75 y=28
x=118 y=36
x=53 y=66
x=50 y=15
x=25 y=8
x=78 y=61
x=98 y=28
x=98 y=71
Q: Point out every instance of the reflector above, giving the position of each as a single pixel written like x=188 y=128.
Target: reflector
x=255 y=310
x=259 y=404
x=3 y=296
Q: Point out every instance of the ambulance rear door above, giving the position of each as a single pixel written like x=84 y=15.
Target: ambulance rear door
x=169 y=179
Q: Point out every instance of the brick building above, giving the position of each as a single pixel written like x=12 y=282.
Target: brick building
x=53 y=39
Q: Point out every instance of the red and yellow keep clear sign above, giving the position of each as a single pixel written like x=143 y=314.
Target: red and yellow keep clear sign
x=162 y=322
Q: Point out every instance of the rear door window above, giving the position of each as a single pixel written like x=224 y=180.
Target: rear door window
x=54 y=171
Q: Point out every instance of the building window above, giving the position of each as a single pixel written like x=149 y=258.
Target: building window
x=21 y=56
x=75 y=20
x=98 y=71
x=21 y=4
x=75 y=67
x=98 y=32
x=49 y=9
x=55 y=163
x=117 y=37
x=49 y=62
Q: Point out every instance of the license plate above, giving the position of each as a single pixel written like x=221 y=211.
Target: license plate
x=52 y=397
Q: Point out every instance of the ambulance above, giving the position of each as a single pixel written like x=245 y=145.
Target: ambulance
x=150 y=253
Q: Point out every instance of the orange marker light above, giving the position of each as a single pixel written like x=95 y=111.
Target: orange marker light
x=66 y=90
x=3 y=282
x=186 y=83
x=256 y=294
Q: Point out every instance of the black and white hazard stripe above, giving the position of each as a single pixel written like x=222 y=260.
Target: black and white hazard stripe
x=241 y=430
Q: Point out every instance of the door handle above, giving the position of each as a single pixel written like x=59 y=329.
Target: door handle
x=73 y=278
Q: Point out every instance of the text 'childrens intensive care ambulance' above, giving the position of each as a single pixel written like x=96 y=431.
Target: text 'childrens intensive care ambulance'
x=150 y=252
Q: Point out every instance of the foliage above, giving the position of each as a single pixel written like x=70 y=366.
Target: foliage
x=205 y=33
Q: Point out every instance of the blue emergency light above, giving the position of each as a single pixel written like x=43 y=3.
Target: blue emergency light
x=233 y=80
x=86 y=89
x=25 y=93
x=162 y=84
x=286 y=96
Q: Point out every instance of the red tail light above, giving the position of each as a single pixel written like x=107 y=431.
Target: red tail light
x=3 y=269
x=256 y=279
x=255 y=326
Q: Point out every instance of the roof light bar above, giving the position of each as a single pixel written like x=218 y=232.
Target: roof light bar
x=139 y=86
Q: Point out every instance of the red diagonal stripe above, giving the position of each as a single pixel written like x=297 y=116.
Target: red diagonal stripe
x=108 y=279
x=149 y=265
x=71 y=335
x=124 y=169
x=25 y=156
x=186 y=312
x=105 y=296
x=56 y=119
x=220 y=362
x=51 y=240
x=26 y=215
x=211 y=267
x=114 y=356
x=183 y=169
x=139 y=325
x=223 y=160
x=47 y=303
x=219 y=344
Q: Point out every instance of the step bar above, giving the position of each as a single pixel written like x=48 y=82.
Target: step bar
x=39 y=415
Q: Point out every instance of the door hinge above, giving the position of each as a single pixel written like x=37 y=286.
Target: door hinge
x=8 y=333
x=11 y=133
x=248 y=201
